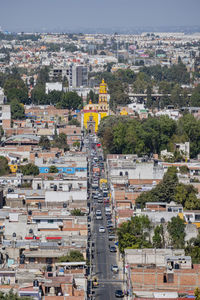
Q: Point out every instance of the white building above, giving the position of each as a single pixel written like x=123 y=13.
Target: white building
x=53 y=86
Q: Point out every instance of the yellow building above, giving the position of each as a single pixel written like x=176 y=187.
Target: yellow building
x=93 y=113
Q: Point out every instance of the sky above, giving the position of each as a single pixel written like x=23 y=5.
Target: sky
x=47 y=15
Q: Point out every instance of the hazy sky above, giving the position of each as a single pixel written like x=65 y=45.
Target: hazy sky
x=19 y=15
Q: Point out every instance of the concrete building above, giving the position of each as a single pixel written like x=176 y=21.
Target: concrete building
x=53 y=86
x=5 y=116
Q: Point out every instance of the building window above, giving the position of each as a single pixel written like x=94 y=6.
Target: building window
x=31 y=259
x=126 y=173
x=120 y=173
x=50 y=221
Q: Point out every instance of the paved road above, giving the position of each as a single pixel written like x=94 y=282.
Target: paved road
x=103 y=258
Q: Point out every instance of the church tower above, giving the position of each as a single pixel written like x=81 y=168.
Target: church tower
x=103 y=99
x=93 y=113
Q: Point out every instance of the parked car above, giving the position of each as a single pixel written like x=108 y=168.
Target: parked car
x=119 y=294
x=113 y=249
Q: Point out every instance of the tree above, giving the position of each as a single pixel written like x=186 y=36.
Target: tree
x=38 y=95
x=158 y=238
x=29 y=169
x=76 y=144
x=73 y=256
x=176 y=98
x=176 y=230
x=163 y=192
x=134 y=233
x=44 y=142
x=15 y=89
x=43 y=76
x=12 y=296
x=4 y=168
x=1 y=132
x=186 y=195
x=197 y=294
x=60 y=141
x=93 y=97
x=70 y=100
x=17 y=110
x=53 y=169
x=149 y=97
x=77 y=212
x=193 y=249
x=195 y=98
x=74 y=122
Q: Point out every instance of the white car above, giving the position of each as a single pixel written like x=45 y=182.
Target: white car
x=101 y=229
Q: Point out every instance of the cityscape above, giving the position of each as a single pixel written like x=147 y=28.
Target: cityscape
x=99 y=150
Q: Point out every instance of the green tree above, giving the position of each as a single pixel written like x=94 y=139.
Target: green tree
x=163 y=192
x=73 y=256
x=158 y=238
x=176 y=229
x=29 y=169
x=38 y=95
x=15 y=89
x=43 y=76
x=13 y=296
x=70 y=100
x=195 y=98
x=186 y=195
x=60 y=141
x=74 y=122
x=149 y=97
x=134 y=233
x=4 y=168
x=53 y=169
x=183 y=169
x=197 y=294
x=1 y=132
x=17 y=110
x=92 y=96
x=77 y=212
x=44 y=142
x=76 y=144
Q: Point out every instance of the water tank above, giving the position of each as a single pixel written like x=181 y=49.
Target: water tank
x=176 y=266
x=49 y=268
x=35 y=283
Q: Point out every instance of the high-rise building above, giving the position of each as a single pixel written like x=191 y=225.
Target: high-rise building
x=77 y=75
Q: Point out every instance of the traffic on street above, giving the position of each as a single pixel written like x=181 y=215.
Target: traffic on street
x=105 y=276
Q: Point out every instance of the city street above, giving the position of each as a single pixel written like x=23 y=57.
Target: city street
x=102 y=259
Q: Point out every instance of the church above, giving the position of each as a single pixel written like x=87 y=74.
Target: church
x=93 y=113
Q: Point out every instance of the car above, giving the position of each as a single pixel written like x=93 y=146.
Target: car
x=111 y=231
x=119 y=294
x=113 y=249
x=111 y=237
x=101 y=229
x=114 y=268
